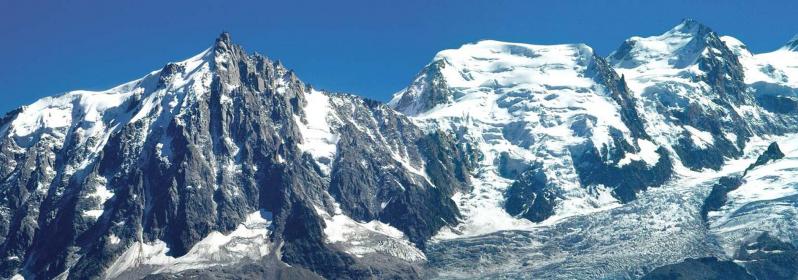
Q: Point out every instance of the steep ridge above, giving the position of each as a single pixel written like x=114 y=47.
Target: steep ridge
x=557 y=118
x=692 y=91
x=688 y=91
x=223 y=159
x=499 y=160
x=763 y=205
x=771 y=75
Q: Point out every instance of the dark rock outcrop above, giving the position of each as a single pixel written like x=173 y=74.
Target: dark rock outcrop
x=200 y=145
x=726 y=184
x=769 y=258
x=529 y=197
x=431 y=88
x=772 y=153
x=709 y=268
x=626 y=180
x=717 y=196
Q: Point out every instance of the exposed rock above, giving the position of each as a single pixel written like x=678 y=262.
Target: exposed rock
x=530 y=197
x=704 y=268
x=769 y=258
x=772 y=153
x=190 y=151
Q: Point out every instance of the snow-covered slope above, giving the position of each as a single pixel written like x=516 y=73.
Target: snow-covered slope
x=531 y=109
x=517 y=161
x=687 y=99
x=225 y=162
x=765 y=201
x=249 y=241
x=778 y=67
x=692 y=93
x=773 y=76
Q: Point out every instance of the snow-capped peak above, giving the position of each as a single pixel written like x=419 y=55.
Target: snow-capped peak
x=490 y=64
x=679 y=47
x=524 y=105
x=90 y=117
x=736 y=46
x=690 y=26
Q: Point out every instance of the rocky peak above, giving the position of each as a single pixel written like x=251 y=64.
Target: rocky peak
x=680 y=47
x=226 y=53
x=428 y=90
x=772 y=153
x=223 y=41
x=225 y=138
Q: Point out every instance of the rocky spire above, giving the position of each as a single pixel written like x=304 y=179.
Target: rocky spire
x=223 y=43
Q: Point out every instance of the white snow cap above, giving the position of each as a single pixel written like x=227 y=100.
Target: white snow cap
x=492 y=63
x=689 y=25
x=674 y=48
x=518 y=102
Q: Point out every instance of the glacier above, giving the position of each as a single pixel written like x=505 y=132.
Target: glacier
x=499 y=160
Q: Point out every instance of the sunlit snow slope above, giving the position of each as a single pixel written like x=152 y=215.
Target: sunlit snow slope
x=704 y=100
x=222 y=164
x=531 y=109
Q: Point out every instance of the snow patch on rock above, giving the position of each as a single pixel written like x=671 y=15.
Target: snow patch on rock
x=701 y=139
x=249 y=241
x=362 y=238
x=648 y=154
x=523 y=101
x=767 y=201
x=318 y=138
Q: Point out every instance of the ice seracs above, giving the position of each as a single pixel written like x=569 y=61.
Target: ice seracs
x=524 y=105
x=546 y=166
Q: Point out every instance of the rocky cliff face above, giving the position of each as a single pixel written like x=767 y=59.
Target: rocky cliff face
x=569 y=140
x=498 y=160
x=692 y=89
x=224 y=158
x=557 y=120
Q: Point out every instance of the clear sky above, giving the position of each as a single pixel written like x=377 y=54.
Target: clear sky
x=370 y=48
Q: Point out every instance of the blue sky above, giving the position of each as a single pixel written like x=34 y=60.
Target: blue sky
x=369 y=48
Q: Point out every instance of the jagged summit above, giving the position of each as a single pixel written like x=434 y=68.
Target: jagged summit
x=691 y=26
x=510 y=160
x=679 y=47
x=218 y=160
x=224 y=43
x=224 y=37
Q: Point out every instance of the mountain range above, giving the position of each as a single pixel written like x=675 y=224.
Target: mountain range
x=674 y=157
